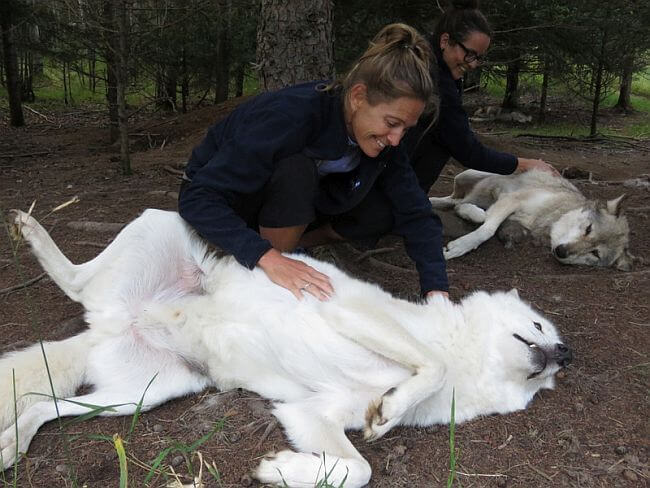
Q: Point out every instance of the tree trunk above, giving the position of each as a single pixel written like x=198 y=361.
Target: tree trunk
x=65 y=83
x=598 y=86
x=185 y=80
x=223 y=59
x=511 y=97
x=122 y=80
x=239 y=80
x=110 y=54
x=624 y=103
x=10 y=62
x=544 y=94
x=294 y=42
x=26 y=82
x=170 y=88
x=593 y=127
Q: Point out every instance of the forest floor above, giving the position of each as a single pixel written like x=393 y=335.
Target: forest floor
x=592 y=430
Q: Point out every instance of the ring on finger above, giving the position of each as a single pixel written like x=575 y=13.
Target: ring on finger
x=307 y=285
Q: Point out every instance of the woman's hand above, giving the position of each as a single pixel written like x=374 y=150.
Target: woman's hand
x=295 y=275
x=433 y=293
x=524 y=164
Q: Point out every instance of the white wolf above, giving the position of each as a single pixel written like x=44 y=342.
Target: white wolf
x=581 y=231
x=159 y=305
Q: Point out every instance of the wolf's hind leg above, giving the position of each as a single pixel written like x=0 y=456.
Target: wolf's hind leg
x=53 y=261
x=325 y=451
x=120 y=383
x=67 y=365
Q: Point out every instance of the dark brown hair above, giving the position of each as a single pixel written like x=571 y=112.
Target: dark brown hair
x=461 y=19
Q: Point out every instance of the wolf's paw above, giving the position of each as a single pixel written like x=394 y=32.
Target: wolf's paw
x=8 y=454
x=455 y=249
x=288 y=468
x=300 y=469
x=382 y=416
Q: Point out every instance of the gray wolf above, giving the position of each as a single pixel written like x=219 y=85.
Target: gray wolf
x=548 y=208
x=484 y=114
x=163 y=310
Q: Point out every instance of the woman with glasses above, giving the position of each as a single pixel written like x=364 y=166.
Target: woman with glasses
x=460 y=41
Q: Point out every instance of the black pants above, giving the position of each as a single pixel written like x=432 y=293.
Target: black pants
x=286 y=200
x=373 y=217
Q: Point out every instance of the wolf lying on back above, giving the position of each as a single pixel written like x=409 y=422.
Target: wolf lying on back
x=580 y=231
x=159 y=305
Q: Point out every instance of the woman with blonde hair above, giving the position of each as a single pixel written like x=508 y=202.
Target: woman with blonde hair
x=299 y=159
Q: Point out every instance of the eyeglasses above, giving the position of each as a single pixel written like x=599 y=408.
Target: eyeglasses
x=471 y=55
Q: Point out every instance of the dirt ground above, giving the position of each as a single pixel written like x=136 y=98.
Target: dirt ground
x=591 y=431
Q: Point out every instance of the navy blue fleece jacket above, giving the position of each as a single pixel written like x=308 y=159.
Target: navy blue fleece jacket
x=238 y=157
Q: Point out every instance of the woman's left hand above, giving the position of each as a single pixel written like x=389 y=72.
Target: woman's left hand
x=525 y=164
x=433 y=293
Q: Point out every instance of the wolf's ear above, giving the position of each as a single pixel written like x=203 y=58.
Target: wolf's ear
x=614 y=207
x=624 y=262
x=514 y=293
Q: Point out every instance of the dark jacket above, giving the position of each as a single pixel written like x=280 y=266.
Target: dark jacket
x=238 y=156
x=451 y=136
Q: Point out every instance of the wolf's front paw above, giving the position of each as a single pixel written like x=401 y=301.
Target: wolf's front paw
x=455 y=249
x=382 y=416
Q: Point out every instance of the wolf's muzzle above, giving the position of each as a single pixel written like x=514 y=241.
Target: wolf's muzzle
x=563 y=355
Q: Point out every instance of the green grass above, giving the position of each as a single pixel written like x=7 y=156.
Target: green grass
x=454 y=452
x=641 y=84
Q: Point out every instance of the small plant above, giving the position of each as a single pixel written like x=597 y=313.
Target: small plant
x=453 y=452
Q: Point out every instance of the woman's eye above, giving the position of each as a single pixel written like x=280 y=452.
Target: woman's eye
x=391 y=124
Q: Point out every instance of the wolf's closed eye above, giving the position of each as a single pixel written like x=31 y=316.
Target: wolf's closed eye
x=588 y=230
x=538 y=326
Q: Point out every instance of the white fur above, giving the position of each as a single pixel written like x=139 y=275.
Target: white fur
x=580 y=231
x=161 y=309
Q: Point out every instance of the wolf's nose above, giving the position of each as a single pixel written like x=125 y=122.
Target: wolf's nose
x=563 y=355
x=560 y=251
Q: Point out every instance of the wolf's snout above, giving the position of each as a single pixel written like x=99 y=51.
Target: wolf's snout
x=563 y=355
x=561 y=251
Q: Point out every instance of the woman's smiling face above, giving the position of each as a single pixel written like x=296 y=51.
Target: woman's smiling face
x=454 y=54
x=383 y=124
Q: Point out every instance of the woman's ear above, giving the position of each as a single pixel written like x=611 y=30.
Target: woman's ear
x=444 y=40
x=358 y=96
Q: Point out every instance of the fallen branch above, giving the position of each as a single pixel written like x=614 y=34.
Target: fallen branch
x=37 y=113
x=539 y=472
x=20 y=286
x=95 y=226
x=373 y=252
x=25 y=155
x=165 y=193
x=91 y=244
x=269 y=428
x=174 y=171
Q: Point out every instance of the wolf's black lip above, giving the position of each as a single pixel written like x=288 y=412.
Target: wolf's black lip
x=531 y=345
x=519 y=338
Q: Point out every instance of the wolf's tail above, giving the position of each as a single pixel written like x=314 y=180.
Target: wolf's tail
x=25 y=373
